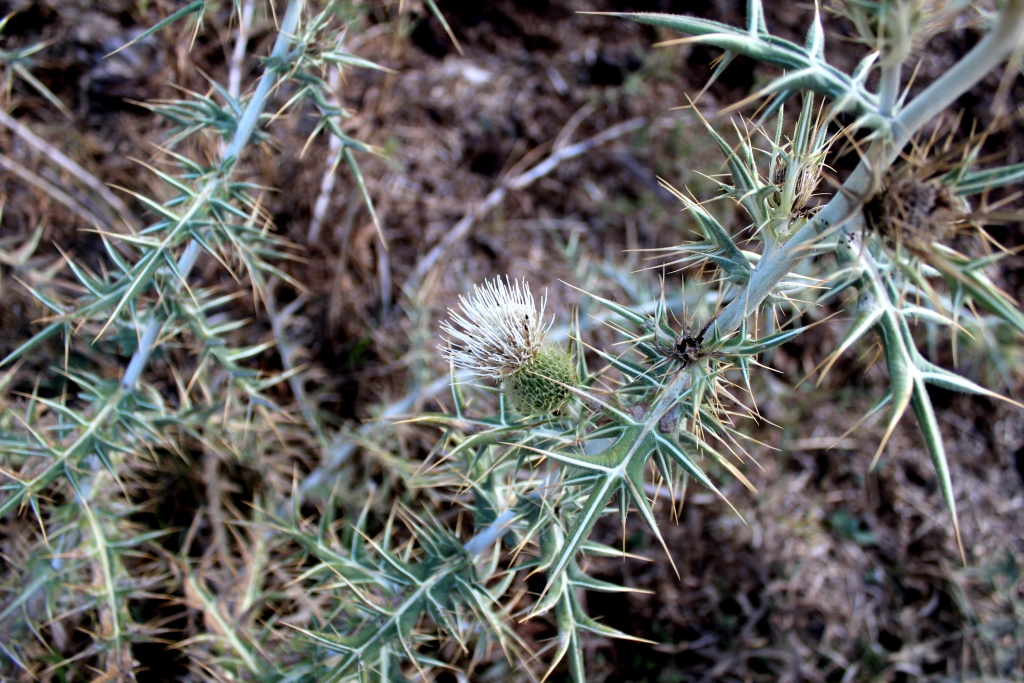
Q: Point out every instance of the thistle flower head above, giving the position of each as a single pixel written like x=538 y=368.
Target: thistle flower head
x=499 y=330
x=500 y=334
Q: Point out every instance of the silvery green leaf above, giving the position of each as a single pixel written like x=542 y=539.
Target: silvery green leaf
x=196 y=7
x=901 y=375
x=976 y=182
x=815 y=42
x=763 y=47
x=867 y=319
x=929 y=427
x=926 y=315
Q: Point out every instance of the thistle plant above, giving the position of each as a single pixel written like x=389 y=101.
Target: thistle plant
x=76 y=460
x=431 y=568
x=674 y=407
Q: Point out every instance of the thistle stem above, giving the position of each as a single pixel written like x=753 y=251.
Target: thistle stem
x=243 y=133
x=491 y=534
x=889 y=88
x=862 y=184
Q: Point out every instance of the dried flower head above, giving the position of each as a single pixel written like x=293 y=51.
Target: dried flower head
x=500 y=334
x=807 y=182
x=913 y=213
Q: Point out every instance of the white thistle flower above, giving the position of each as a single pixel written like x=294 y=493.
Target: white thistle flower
x=500 y=334
x=499 y=331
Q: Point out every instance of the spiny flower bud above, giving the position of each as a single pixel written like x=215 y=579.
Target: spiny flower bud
x=499 y=334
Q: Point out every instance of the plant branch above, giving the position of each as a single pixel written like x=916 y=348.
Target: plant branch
x=244 y=131
x=995 y=47
x=889 y=88
x=491 y=534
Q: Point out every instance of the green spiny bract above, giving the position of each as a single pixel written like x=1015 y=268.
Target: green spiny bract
x=543 y=385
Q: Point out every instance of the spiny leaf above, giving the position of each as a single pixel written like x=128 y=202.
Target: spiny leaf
x=583 y=522
x=735 y=263
x=37 y=339
x=936 y=450
x=196 y=7
x=637 y=319
x=444 y=24
x=821 y=77
x=901 y=377
x=350 y=159
x=27 y=76
x=941 y=377
x=815 y=43
x=864 y=322
x=744 y=175
x=754 y=347
x=981 y=289
x=976 y=182
x=568 y=640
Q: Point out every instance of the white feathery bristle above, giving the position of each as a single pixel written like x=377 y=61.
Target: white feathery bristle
x=499 y=330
